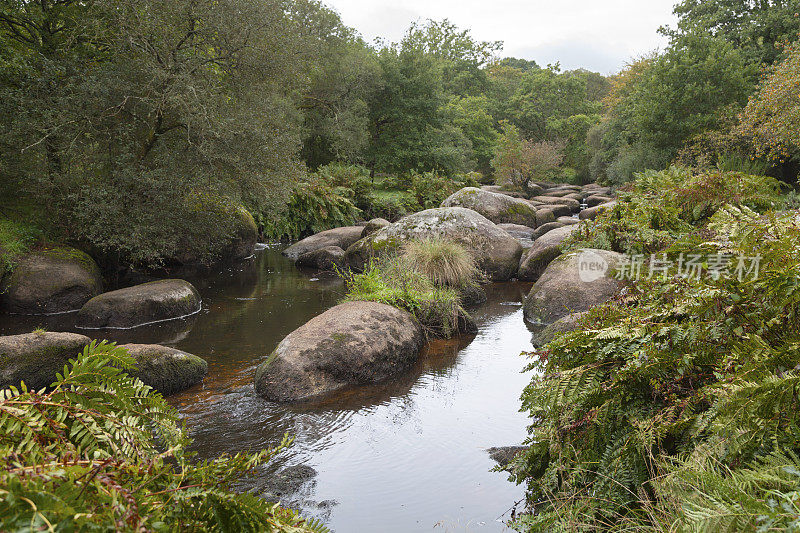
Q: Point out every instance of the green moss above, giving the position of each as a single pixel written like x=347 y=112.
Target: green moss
x=72 y=255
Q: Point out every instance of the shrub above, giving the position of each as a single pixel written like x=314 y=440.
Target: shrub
x=102 y=451
x=674 y=407
x=659 y=207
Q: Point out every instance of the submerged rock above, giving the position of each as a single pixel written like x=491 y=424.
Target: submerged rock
x=141 y=304
x=52 y=281
x=342 y=237
x=544 y=250
x=167 y=370
x=499 y=208
x=505 y=454
x=37 y=357
x=495 y=251
x=574 y=282
x=353 y=343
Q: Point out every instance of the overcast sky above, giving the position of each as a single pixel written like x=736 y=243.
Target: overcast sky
x=596 y=34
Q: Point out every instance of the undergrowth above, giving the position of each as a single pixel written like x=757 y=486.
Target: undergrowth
x=101 y=451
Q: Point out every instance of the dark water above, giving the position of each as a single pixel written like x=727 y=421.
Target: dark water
x=407 y=455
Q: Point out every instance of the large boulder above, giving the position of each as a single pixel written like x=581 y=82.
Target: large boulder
x=240 y=242
x=501 y=190
x=595 y=200
x=568 y=220
x=544 y=250
x=141 y=304
x=593 y=212
x=573 y=205
x=353 y=343
x=495 y=251
x=564 y=324
x=374 y=225
x=546 y=228
x=342 y=237
x=573 y=282
x=37 y=357
x=167 y=370
x=328 y=258
x=499 y=208
x=53 y=281
x=546 y=214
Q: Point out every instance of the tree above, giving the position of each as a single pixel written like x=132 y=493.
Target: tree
x=129 y=119
x=772 y=116
x=471 y=115
x=518 y=161
x=752 y=26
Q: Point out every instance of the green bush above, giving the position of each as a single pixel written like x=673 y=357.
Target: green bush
x=675 y=406
x=102 y=452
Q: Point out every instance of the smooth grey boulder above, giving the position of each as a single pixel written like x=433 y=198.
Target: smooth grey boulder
x=572 y=283
x=147 y=303
x=573 y=205
x=592 y=212
x=353 y=343
x=546 y=214
x=568 y=220
x=560 y=210
x=342 y=237
x=500 y=190
x=562 y=325
x=594 y=189
x=517 y=230
x=167 y=370
x=52 y=281
x=37 y=357
x=544 y=250
x=546 y=228
x=495 y=251
x=593 y=201
x=499 y=208
x=328 y=258
x=373 y=225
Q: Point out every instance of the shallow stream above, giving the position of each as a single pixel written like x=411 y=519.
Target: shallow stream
x=407 y=455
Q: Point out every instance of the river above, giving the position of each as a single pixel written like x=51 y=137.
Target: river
x=403 y=456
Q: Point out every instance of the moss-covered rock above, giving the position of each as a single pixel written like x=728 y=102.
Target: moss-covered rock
x=233 y=240
x=37 y=357
x=544 y=228
x=141 y=304
x=572 y=283
x=495 y=251
x=350 y=344
x=52 y=281
x=547 y=214
x=499 y=208
x=167 y=370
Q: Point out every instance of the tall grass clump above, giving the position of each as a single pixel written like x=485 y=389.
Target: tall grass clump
x=101 y=451
x=444 y=263
x=425 y=278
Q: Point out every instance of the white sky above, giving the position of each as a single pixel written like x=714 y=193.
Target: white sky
x=599 y=35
